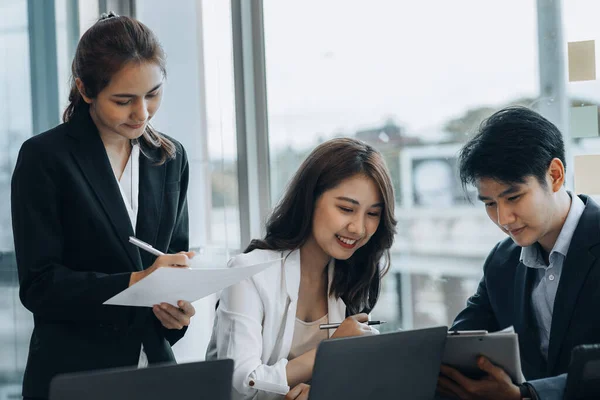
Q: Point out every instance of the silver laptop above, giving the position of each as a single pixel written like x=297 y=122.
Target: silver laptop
x=198 y=380
x=400 y=365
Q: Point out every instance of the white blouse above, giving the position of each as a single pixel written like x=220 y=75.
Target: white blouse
x=307 y=336
x=129 y=185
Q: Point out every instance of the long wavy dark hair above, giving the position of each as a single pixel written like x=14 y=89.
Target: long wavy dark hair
x=103 y=50
x=357 y=280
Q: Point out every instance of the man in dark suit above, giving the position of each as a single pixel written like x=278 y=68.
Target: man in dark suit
x=545 y=278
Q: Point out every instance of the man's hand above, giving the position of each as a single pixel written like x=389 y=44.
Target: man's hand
x=300 y=392
x=172 y=317
x=496 y=385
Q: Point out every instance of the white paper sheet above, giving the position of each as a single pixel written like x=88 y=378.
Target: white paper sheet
x=169 y=285
x=582 y=60
x=586 y=170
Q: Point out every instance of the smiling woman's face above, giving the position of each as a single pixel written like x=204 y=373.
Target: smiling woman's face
x=346 y=216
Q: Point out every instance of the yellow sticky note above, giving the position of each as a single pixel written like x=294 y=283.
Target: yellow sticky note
x=587 y=174
x=582 y=61
x=583 y=122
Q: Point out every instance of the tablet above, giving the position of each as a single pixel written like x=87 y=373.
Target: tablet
x=502 y=349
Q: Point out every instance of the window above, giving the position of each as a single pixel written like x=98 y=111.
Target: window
x=15 y=126
x=579 y=25
x=412 y=79
x=197 y=110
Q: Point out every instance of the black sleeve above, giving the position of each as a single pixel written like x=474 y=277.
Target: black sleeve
x=478 y=315
x=48 y=288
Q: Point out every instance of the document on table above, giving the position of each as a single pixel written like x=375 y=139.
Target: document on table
x=169 y=285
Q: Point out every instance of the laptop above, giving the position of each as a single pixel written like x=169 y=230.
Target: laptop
x=197 y=380
x=399 y=365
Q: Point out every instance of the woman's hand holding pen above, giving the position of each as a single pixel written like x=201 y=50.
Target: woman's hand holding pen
x=171 y=317
x=179 y=260
x=354 y=325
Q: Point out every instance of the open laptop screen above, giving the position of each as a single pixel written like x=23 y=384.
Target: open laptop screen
x=198 y=380
x=399 y=365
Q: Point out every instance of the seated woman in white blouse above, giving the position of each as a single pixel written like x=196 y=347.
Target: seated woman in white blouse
x=333 y=227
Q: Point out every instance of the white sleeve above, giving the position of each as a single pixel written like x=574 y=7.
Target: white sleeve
x=238 y=336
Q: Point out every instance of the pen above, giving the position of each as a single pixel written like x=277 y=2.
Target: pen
x=467 y=333
x=269 y=387
x=334 y=326
x=145 y=246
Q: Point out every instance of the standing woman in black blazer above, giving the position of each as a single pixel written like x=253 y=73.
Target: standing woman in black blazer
x=79 y=191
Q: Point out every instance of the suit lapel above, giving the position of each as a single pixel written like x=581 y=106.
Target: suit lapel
x=90 y=155
x=574 y=274
x=523 y=280
x=152 y=181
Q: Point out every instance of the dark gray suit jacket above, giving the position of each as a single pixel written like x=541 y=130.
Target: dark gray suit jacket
x=503 y=298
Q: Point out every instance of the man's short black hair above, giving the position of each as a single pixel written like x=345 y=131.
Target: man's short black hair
x=511 y=145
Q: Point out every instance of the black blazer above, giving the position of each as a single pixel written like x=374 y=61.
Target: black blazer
x=71 y=232
x=503 y=298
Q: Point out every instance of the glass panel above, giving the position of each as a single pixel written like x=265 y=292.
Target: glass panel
x=15 y=97
x=11 y=369
x=88 y=14
x=64 y=57
x=15 y=127
x=197 y=109
x=412 y=79
x=221 y=134
x=579 y=25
